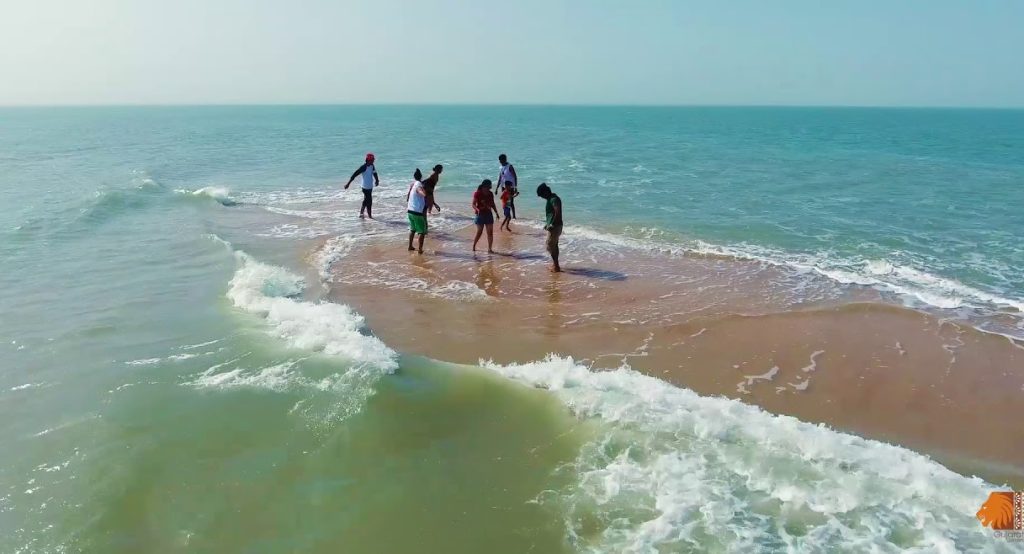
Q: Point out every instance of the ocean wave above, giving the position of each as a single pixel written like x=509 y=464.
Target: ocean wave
x=671 y=470
x=334 y=329
x=277 y=377
x=107 y=203
x=220 y=194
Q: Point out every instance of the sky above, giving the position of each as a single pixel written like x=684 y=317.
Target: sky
x=638 y=52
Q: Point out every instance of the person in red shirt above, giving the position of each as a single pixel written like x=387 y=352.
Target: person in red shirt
x=483 y=205
x=506 y=207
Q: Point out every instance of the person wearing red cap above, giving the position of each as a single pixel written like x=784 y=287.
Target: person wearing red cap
x=370 y=179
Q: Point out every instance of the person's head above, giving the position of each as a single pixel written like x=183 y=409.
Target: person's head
x=503 y=159
x=418 y=175
x=486 y=185
x=370 y=157
x=544 y=191
x=438 y=169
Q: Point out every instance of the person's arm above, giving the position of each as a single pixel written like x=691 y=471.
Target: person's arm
x=358 y=172
x=512 y=172
x=375 y=177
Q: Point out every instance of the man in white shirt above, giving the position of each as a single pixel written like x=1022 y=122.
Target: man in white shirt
x=507 y=178
x=370 y=179
x=416 y=200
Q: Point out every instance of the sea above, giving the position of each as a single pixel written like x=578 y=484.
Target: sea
x=173 y=377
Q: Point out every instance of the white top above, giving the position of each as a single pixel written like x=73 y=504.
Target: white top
x=506 y=175
x=368 y=177
x=417 y=198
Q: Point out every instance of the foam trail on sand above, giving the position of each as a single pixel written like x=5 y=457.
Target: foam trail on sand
x=670 y=470
x=333 y=250
x=910 y=283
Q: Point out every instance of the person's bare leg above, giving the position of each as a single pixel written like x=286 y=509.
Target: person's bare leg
x=553 y=250
x=490 y=238
x=479 y=231
x=411 y=235
x=421 y=243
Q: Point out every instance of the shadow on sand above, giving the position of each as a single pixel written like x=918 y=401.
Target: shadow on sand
x=592 y=273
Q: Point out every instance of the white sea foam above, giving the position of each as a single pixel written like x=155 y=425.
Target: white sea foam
x=199 y=345
x=278 y=377
x=333 y=250
x=334 y=329
x=749 y=380
x=813 y=365
x=144 y=361
x=673 y=471
x=802 y=385
x=26 y=386
x=220 y=194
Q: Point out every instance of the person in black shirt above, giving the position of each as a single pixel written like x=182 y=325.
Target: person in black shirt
x=552 y=222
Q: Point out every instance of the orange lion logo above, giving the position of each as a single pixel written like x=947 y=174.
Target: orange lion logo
x=998 y=511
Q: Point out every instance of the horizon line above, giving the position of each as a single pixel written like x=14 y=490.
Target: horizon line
x=504 y=105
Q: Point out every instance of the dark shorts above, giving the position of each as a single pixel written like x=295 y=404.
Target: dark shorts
x=507 y=210
x=418 y=223
x=484 y=218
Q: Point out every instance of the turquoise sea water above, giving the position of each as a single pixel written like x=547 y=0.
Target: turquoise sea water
x=172 y=380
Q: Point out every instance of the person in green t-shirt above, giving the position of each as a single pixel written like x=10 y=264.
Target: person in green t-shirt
x=552 y=222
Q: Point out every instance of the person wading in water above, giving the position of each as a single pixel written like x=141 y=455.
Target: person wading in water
x=429 y=184
x=416 y=207
x=483 y=205
x=370 y=179
x=552 y=222
x=508 y=179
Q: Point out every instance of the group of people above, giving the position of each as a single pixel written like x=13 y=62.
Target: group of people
x=420 y=202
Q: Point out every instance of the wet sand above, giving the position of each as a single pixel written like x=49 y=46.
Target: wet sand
x=716 y=325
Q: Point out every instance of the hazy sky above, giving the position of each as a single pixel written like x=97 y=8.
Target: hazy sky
x=805 y=52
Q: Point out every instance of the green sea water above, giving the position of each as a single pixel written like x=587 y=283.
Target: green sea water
x=172 y=379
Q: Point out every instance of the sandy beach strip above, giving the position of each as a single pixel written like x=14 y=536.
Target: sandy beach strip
x=718 y=326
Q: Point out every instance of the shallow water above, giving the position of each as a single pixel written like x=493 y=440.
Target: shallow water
x=174 y=381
